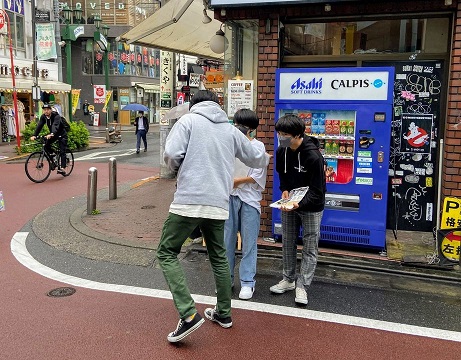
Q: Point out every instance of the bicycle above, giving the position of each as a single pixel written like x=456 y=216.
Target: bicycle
x=39 y=164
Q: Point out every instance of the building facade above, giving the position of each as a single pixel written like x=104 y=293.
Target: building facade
x=420 y=39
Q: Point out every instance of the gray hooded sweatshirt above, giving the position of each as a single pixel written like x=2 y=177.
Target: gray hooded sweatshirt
x=202 y=147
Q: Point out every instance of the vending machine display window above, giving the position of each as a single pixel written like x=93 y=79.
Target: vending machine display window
x=335 y=130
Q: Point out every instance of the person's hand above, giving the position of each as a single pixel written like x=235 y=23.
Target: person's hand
x=291 y=207
x=285 y=194
x=32 y=138
x=49 y=136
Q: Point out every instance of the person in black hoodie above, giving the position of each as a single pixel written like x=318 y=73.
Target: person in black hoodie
x=57 y=133
x=299 y=163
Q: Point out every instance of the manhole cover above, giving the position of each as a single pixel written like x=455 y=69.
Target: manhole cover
x=148 y=207
x=60 y=292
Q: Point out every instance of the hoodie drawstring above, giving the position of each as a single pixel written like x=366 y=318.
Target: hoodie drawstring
x=299 y=162
x=286 y=160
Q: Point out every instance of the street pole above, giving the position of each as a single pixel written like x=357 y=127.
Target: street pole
x=69 y=70
x=106 y=79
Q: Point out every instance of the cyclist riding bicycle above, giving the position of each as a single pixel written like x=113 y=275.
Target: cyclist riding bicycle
x=57 y=133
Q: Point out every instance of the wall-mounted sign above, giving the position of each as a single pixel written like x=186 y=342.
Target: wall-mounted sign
x=240 y=96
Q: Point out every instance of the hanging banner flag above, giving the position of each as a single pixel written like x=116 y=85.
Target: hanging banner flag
x=46 y=45
x=99 y=94
x=108 y=95
x=75 y=97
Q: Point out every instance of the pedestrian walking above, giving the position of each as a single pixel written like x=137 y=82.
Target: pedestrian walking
x=245 y=208
x=201 y=148
x=141 y=124
x=299 y=163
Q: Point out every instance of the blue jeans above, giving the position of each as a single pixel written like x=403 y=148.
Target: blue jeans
x=141 y=134
x=246 y=219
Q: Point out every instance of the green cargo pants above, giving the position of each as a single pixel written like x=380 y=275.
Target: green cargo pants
x=176 y=230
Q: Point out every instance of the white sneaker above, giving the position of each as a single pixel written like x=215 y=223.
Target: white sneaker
x=301 y=296
x=246 y=292
x=283 y=286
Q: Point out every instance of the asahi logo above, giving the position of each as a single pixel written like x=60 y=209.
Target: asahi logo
x=313 y=86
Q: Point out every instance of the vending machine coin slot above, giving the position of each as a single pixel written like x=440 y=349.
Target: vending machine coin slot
x=380 y=156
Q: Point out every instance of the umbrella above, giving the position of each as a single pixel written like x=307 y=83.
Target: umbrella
x=176 y=112
x=135 y=107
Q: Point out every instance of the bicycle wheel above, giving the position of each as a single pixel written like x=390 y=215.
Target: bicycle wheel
x=38 y=167
x=69 y=162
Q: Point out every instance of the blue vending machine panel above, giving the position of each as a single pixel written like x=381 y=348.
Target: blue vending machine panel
x=349 y=110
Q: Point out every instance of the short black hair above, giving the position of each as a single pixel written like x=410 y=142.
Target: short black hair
x=203 y=95
x=290 y=124
x=246 y=117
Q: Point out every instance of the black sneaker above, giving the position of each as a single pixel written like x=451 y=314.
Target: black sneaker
x=185 y=328
x=62 y=172
x=211 y=314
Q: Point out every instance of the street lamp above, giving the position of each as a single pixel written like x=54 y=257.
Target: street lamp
x=100 y=36
x=71 y=33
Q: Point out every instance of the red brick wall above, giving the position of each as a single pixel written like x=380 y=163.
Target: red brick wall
x=451 y=173
x=267 y=63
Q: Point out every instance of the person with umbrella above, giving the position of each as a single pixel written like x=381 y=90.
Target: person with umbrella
x=141 y=124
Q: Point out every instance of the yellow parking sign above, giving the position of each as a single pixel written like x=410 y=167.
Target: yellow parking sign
x=451 y=214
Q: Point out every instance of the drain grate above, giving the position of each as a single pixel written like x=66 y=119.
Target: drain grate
x=61 y=292
x=148 y=207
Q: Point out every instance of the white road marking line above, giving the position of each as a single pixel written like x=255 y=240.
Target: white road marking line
x=19 y=250
x=106 y=154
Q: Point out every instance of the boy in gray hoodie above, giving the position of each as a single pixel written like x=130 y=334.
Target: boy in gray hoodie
x=202 y=147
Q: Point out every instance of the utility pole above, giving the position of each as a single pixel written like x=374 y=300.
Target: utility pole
x=57 y=33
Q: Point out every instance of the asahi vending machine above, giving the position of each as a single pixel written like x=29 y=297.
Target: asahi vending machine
x=349 y=110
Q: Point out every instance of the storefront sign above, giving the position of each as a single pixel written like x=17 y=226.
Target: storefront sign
x=99 y=94
x=194 y=80
x=240 y=96
x=42 y=16
x=333 y=85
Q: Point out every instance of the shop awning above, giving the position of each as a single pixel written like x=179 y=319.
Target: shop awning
x=22 y=85
x=149 y=88
x=168 y=30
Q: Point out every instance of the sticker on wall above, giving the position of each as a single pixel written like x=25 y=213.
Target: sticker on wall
x=364 y=170
x=429 y=211
x=412 y=179
x=396 y=181
x=429 y=182
x=363 y=181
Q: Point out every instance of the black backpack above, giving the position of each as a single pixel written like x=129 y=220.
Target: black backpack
x=65 y=124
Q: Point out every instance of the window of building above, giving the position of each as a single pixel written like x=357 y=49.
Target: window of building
x=16 y=30
x=429 y=35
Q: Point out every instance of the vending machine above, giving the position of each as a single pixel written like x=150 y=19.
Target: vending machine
x=349 y=110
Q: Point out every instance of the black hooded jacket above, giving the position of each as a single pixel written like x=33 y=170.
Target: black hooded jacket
x=303 y=167
x=54 y=124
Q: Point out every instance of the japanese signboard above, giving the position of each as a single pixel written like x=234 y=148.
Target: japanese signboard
x=240 y=96
x=46 y=46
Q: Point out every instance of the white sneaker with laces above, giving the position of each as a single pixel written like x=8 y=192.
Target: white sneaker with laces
x=283 y=286
x=246 y=292
x=301 y=296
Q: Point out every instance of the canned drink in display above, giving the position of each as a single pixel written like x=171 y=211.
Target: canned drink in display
x=351 y=128
x=342 y=147
x=350 y=147
x=327 y=147
x=328 y=127
x=343 y=127
x=335 y=147
x=322 y=146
